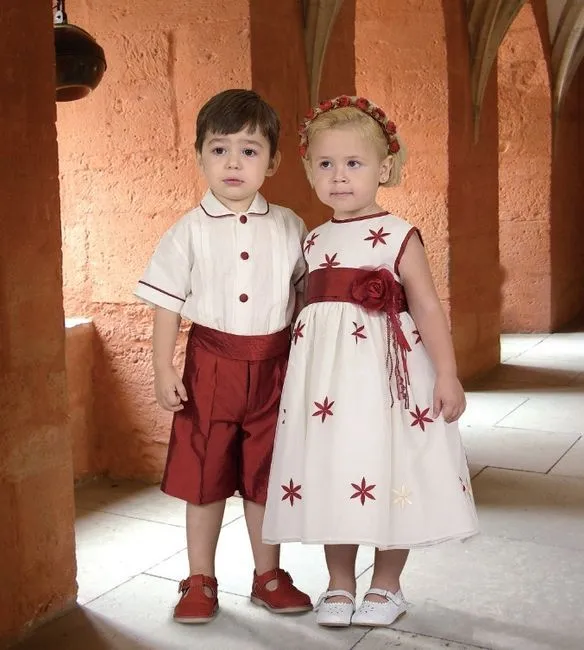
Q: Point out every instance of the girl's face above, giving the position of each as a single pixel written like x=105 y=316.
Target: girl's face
x=346 y=170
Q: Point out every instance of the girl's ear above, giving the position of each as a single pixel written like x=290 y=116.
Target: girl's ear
x=274 y=164
x=385 y=169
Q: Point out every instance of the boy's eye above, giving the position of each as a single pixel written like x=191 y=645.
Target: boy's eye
x=353 y=163
x=325 y=164
x=249 y=152
x=219 y=151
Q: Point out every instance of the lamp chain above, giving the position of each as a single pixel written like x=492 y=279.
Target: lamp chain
x=59 y=15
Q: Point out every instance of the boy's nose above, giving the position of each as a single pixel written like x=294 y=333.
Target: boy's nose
x=233 y=162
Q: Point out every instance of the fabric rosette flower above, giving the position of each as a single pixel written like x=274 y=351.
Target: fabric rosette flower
x=375 y=290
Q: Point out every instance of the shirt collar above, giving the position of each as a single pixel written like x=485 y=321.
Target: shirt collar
x=214 y=208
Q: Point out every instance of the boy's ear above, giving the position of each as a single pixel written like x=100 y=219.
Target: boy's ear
x=199 y=159
x=274 y=164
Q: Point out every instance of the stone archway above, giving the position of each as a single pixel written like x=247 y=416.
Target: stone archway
x=525 y=174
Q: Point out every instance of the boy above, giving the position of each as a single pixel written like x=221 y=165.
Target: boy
x=234 y=267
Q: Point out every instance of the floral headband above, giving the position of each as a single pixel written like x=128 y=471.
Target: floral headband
x=344 y=101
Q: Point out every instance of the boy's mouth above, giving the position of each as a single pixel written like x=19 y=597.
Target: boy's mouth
x=233 y=181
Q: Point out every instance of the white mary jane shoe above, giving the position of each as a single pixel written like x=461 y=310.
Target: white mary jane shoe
x=334 y=614
x=374 y=614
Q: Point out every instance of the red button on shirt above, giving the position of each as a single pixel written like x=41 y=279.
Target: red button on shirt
x=245 y=255
x=243 y=218
x=243 y=297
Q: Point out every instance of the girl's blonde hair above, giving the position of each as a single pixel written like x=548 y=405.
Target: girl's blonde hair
x=368 y=127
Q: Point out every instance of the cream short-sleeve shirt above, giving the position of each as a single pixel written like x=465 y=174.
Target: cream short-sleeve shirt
x=236 y=273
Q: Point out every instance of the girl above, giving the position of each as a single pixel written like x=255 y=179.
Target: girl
x=367 y=449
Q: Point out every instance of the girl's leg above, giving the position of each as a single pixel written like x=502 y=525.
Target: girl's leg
x=340 y=560
x=387 y=571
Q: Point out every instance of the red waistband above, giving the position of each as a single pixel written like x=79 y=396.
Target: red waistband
x=337 y=285
x=239 y=347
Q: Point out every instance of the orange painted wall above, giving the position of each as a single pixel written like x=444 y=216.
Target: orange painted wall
x=80 y=364
x=413 y=59
x=525 y=159
x=37 y=561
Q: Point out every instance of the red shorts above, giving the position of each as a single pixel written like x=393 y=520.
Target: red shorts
x=222 y=441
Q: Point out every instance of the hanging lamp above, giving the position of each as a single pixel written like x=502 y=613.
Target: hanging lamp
x=80 y=60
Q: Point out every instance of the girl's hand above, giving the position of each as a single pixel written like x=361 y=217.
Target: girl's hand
x=448 y=398
x=169 y=389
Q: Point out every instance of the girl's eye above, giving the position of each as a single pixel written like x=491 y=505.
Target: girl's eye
x=249 y=152
x=325 y=164
x=354 y=164
x=218 y=151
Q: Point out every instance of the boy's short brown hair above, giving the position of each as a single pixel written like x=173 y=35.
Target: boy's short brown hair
x=231 y=111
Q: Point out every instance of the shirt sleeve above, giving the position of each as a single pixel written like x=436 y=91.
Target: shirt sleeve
x=299 y=273
x=166 y=281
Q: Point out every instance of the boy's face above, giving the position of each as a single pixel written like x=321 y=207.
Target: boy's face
x=236 y=166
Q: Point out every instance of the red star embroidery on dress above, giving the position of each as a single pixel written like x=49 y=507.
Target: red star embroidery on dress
x=359 y=332
x=420 y=418
x=324 y=409
x=377 y=237
x=330 y=262
x=363 y=491
x=297 y=333
x=291 y=492
x=309 y=243
x=417 y=335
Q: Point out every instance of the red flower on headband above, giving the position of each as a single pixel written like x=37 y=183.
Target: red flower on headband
x=344 y=101
x=362 y=104
x=378 y=114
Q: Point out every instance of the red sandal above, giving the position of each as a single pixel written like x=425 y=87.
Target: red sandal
x=194 y=605
x=285 y=599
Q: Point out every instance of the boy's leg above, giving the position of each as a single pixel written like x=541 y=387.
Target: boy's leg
x=265 y=556
x=203 y=527
x=272 y=587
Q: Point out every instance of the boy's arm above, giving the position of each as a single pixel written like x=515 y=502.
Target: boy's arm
x=170 y=391
x=300 y=303
x=299 y=276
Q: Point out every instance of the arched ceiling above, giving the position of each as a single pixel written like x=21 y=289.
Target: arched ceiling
x=566 y=24
x=488 y=22
x=319 y=17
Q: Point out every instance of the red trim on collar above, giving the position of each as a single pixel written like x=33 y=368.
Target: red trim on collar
x=368 y=216
x=233 y=214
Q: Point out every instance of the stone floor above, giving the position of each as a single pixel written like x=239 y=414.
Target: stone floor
x=517 y=586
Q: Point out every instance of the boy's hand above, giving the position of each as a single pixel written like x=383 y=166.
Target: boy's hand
x=448 y=398
x=169 y=389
